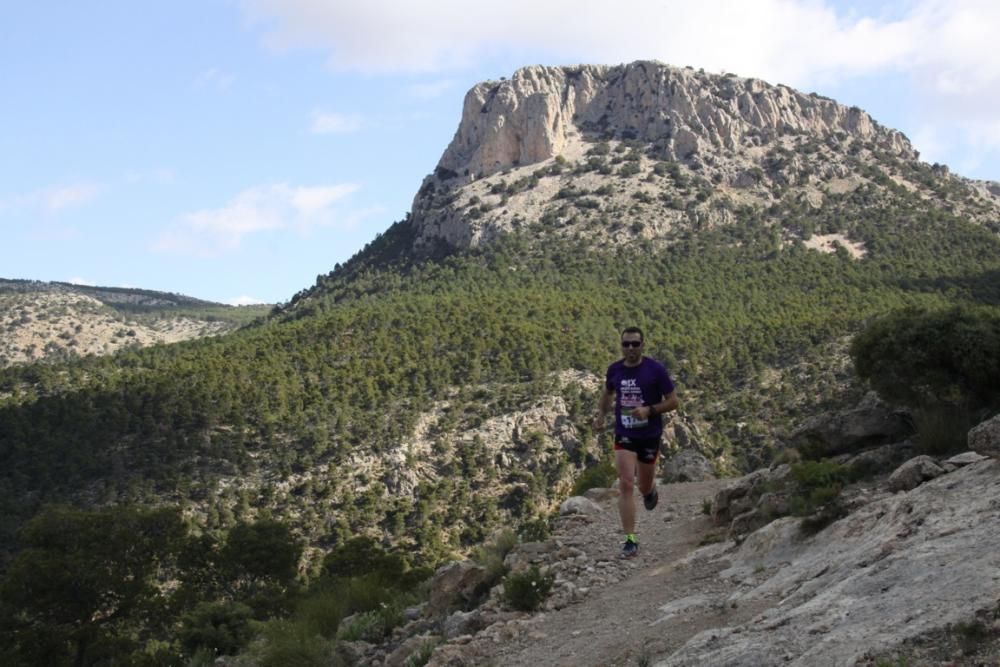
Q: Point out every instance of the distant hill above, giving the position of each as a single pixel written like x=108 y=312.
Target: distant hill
x=54 y=321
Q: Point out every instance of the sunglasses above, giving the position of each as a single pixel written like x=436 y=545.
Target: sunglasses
x=631 y=343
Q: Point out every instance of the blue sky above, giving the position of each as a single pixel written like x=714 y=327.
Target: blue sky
x=233 y=150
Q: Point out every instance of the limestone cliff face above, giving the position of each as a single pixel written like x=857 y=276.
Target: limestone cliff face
x=540 y=111
x=723 y=132
x=579 y=152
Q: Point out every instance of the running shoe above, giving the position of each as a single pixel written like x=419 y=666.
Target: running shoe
x=651 y=498
x=630 y=549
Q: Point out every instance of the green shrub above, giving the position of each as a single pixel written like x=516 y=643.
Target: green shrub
x=492 y=554
x=362 y=557
x=928 y=357
x=376 y=603
x=629 y=169
x=536 y=530
x=372 y=626
x=817 y=494
x=287 y=643
x=527 y=590
x=599 y=476
x=323 y=611
x=220 y=627
x=942 y=429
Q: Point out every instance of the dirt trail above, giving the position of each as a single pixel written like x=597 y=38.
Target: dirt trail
x=626 y=623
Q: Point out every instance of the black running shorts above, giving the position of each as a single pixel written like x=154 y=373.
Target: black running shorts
x=646 y=449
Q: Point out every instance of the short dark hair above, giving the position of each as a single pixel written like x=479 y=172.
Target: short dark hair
x=633 y=330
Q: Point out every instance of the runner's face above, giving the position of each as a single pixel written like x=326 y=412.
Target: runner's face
x=630 y=351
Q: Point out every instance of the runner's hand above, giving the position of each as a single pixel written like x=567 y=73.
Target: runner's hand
x=643 y=412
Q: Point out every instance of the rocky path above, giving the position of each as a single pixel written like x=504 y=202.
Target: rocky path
x=662 y=598
x=906 y=577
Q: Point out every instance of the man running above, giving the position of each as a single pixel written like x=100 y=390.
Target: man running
x=642 y=391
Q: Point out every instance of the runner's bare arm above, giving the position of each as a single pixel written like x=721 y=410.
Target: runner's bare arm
x=603 y=406
x=666 y=404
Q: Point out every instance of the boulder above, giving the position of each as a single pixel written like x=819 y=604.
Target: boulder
x=744 y=493
x=773 y=505
x=871 y=423
x=965 y=459
x=601 y=494
x=881 y=459
x=579 y=505
x=913 y=473
x=462 y=623
x=687 y=466
x=746 y=523
x=985 y=438
x=455 y=584
x=734 y=499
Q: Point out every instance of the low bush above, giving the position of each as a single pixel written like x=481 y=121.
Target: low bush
x=287 y=643
x=598 y=476
x=222 y=628
x=817 y=494
x=538 y=529
x=371 y=626
x=491 y=555
x=942 y=429
x=526 y=591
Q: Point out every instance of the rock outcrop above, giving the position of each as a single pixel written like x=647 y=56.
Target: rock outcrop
x=541 y=111
x=687 y=466
x=896 y=568
x=871 y=423
x=985 y=438
x=716 y=131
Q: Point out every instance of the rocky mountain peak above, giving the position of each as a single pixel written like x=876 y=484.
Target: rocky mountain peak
x=542 y=111
x=694 y=145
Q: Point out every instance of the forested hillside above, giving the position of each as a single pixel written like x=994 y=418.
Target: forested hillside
x=354 y=365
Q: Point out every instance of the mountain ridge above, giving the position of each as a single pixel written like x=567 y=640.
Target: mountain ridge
x=58 y=320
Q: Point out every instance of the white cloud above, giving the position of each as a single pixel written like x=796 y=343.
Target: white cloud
x=81 y=281
x=781 y=40
x=264 y=208
x=945 y=49
x=771 y=38
x=245 y=301
x=335 y=123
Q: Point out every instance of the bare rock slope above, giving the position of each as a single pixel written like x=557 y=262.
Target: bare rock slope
x=907 y=577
